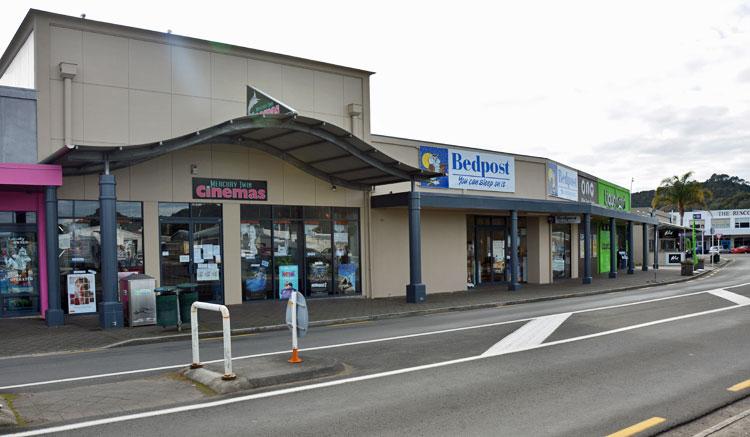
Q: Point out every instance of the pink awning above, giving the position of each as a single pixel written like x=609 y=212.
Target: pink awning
x=30 y=174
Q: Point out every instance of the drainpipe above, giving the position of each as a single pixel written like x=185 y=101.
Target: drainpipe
x=354 y=111
x=68 y=71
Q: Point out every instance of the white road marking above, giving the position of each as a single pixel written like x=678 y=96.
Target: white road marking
x=732 y=297
x=353 y=343
x=273 y=393
x=532 y=333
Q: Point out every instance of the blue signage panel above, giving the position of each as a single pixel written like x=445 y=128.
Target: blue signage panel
x=468 y=170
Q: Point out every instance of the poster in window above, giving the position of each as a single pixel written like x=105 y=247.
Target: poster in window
x=81 y=293
x=347 y=278
x=319 y=275
x=288 y=281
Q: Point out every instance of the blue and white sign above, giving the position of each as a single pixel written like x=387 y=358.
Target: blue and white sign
x=468 y=170
x=562 y=182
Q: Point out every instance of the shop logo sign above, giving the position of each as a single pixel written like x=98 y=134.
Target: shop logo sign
x=468 y=170
x=674 y=258
x=562 y=182
x=613 y=197
x=260 y=103
x=229 y=189
x=587 y=191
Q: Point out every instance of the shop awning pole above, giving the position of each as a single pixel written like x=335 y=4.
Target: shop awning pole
x=587 y=248
x=416 y=291
x=54 y=315
x=110 y=310
x=612 y=248
x=631 y=242
x=514 y=285
x=644 y=267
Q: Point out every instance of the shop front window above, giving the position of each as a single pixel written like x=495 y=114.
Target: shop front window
x=314 y=250
x=79 y=240
x=19 y=268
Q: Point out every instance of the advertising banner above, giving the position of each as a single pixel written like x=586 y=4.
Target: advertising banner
x=260 y=103
x=562 y=182
x=288 y=281
x=229 y=189
x=613 y=197
x=81 y=293
x=587 y=190
x=347 y=278
x=468 y=170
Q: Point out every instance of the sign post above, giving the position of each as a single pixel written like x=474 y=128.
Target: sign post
x=297 y=320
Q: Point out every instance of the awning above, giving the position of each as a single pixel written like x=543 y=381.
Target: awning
x=314 y=146
x=486 y=203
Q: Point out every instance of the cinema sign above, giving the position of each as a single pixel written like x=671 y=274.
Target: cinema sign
x=229 y=189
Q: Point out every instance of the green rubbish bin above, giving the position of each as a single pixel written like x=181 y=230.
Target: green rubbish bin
x=166 y=306
x=187 y=295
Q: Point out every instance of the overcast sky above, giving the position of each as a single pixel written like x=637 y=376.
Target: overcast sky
x=629 y=89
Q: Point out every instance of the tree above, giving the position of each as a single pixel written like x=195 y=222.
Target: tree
x=680 y=192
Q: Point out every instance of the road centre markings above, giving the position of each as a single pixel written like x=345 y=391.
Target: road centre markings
x=353 y=343
x=531 y=334
x=740 y=386
x=304 y=388
x=732 y=297
x=638 y=427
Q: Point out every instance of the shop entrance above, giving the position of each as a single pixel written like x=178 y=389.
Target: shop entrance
x=488 y=257
x=191 y=248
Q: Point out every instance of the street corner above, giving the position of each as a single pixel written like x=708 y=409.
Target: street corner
x=263 y=372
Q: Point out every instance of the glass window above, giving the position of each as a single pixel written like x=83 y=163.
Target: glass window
x=346 y=213
x=79 y=239
x=317 y=212
x=286 y=260
x=560 y=251
x=720 y=223
x=18 y=217
x=252 y=212
x=205 y=209
x=7 y=217
x=256 y=258
x=171 y=209
x=742 y=223
x=287 y=212
x=318 y=257
x=346 y=261
x=19 y=274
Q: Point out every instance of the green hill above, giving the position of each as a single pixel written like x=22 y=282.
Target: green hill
x=729 y=192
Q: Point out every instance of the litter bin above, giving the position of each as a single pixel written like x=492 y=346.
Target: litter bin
x=186 y=294
x=166 y=306
x=716 y=257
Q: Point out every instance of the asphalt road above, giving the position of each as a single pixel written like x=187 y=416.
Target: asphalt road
x=635 y=362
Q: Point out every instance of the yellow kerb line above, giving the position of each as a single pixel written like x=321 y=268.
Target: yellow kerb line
x=638 y=427
x=741 y=386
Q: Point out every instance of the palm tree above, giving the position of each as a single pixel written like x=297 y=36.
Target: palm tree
x=680 y=192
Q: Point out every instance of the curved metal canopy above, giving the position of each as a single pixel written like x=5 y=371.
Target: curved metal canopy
x=314 y=146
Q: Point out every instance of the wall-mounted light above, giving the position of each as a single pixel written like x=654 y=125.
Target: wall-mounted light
x=333 y=187
x=193 y=169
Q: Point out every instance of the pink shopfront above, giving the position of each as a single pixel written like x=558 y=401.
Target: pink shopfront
x=23 y=230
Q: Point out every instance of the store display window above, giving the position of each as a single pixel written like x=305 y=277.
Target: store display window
x=19 y=264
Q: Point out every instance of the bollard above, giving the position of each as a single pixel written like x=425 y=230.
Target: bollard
x=295 y=352
x=227 y=333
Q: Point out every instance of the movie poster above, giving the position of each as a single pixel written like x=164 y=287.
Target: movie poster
x=288 y=281
x=347 y=278
x=81 y=293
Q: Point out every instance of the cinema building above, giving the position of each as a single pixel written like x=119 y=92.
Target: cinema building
x=246 y=171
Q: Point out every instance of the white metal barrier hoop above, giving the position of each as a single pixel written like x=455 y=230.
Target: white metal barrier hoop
x=228 y=374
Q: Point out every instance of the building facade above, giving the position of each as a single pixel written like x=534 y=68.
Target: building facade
x=250 y=172
x=727 y=228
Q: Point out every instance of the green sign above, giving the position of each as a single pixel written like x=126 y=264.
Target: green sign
x=604 y=255
x=260 y=103
x=613 y=197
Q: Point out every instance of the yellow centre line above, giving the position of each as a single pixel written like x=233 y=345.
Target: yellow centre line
x=638 y=427
x=740 y=386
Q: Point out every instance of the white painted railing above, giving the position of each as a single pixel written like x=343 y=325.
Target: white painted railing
x=228 y=374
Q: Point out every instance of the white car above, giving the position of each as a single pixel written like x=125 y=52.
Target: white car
x=714 y=249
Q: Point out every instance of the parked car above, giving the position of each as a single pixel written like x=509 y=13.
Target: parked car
x=741 y=249
x=724 y=250
x=714 y=249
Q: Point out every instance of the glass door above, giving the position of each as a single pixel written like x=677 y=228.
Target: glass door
x=286 y=257
x=561 y=252
x=491 y=254
x=19 y=274
x=207 y=261
x=175 y=253
x=318 y=258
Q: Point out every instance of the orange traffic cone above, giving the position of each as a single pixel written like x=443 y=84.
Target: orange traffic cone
x=295 y=357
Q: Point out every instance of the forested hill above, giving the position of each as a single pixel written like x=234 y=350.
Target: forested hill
x=729 y=192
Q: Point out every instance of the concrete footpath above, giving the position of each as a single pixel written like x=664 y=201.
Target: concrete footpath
x=26 y=336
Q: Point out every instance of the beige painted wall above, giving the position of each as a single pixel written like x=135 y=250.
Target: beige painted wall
x=574 y=248
x=443 y=251
x=135 y=86
x=538 y=246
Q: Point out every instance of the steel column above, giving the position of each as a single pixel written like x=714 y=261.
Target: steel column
x=645 y=248
x=612 y=248
x=514 y=285
x=586 y=249
x=54 y=315
x=656 y=247
x=110 y=310
x=631 y=241
x=416 y=291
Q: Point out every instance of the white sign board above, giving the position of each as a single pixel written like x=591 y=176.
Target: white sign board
x=81 y=293
x=468 y=170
